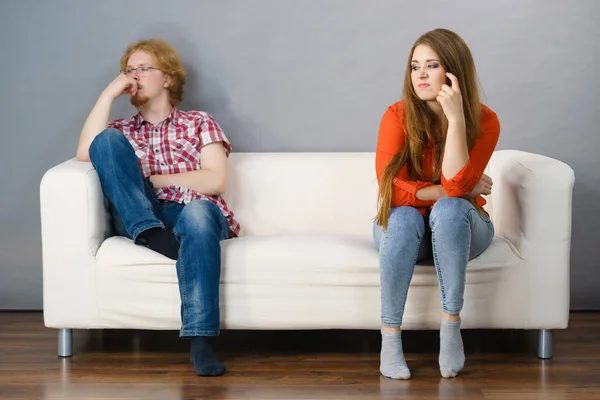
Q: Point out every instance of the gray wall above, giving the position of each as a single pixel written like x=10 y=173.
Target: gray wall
x=282 y=75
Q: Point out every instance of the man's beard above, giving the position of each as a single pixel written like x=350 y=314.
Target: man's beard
x=137 y=101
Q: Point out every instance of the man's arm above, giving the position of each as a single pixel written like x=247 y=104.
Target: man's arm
x=211 y=180
x=97 y=121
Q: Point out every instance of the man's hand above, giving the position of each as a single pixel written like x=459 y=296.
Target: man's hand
x=98 y=119
x=160 y=181
x=122 y=84
x=483 y=187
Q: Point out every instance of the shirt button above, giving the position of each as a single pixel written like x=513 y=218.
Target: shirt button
x=395 y=180
x=156 y=130
x=162 y=163
x=156 y=150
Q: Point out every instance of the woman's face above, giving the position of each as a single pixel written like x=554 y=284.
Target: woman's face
x=427 y=74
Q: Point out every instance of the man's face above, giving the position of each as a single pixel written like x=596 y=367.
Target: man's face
x=152 y=83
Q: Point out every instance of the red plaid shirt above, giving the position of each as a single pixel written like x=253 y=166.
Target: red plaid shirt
x=173 y=146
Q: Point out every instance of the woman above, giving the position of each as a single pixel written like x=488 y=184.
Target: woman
x=432 y=149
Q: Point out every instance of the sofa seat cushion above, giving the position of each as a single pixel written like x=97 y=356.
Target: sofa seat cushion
x=309 y=259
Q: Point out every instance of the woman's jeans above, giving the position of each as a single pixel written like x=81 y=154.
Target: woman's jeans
x=454 y=233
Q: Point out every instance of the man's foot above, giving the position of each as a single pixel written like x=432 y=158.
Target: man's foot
x=393 y=365
x=203 y=359
x=161 y=241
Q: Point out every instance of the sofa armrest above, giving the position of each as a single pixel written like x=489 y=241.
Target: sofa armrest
x=74 y=215
x=75 y=222
x=532 y=207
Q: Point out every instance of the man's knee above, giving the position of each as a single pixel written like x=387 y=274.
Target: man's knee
x=106 y=140
x=199 y=215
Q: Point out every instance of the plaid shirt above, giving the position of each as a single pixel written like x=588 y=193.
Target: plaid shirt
x=173 y=146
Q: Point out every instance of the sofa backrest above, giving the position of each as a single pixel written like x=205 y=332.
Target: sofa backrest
x=272 y=193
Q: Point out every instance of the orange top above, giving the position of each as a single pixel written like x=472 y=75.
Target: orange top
x=390 y=142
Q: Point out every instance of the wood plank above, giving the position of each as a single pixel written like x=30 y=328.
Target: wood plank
x=129 y=364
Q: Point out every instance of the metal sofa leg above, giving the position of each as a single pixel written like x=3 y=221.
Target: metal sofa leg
x=545 y=344
x=65 y=342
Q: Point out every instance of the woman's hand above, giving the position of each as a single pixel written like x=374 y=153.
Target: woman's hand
x=484 y=186
x=451 y=100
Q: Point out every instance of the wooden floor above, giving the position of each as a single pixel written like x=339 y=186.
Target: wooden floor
x=293 y=365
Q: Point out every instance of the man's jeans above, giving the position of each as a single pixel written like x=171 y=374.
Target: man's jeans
x=455 y=233
x=198 y=226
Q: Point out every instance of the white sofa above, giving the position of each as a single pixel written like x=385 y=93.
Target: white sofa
x=306 y=258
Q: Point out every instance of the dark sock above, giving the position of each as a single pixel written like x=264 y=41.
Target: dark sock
x=161 y=241
x=203 y=359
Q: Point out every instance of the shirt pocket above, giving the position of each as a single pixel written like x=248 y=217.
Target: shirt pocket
x=140 y=147
x=184 y=151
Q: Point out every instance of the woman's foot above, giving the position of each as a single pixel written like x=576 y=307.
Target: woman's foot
x=393 y=365
x=452 y=353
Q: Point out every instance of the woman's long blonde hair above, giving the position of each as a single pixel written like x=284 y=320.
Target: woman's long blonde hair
x=419 y=121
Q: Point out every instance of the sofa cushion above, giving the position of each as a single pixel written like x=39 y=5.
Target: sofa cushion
x=319 y=259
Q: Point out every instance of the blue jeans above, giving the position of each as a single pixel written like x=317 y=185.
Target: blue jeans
x=198 y=226
x=455 y=233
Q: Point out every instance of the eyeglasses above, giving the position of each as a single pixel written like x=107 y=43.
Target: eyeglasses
x=140 y=71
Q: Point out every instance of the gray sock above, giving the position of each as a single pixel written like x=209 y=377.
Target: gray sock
x=393 y=364
x=452 y=353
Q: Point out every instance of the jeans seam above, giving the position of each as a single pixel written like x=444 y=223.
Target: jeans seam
x=199 y=332
x=439 y=272
x=183 y=286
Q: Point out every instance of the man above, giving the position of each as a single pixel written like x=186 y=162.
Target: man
x=163 y=172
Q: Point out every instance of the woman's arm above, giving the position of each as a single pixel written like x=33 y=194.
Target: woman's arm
x=456 y=152
x=390 y=142
x=429 y=193
x=463 y=169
